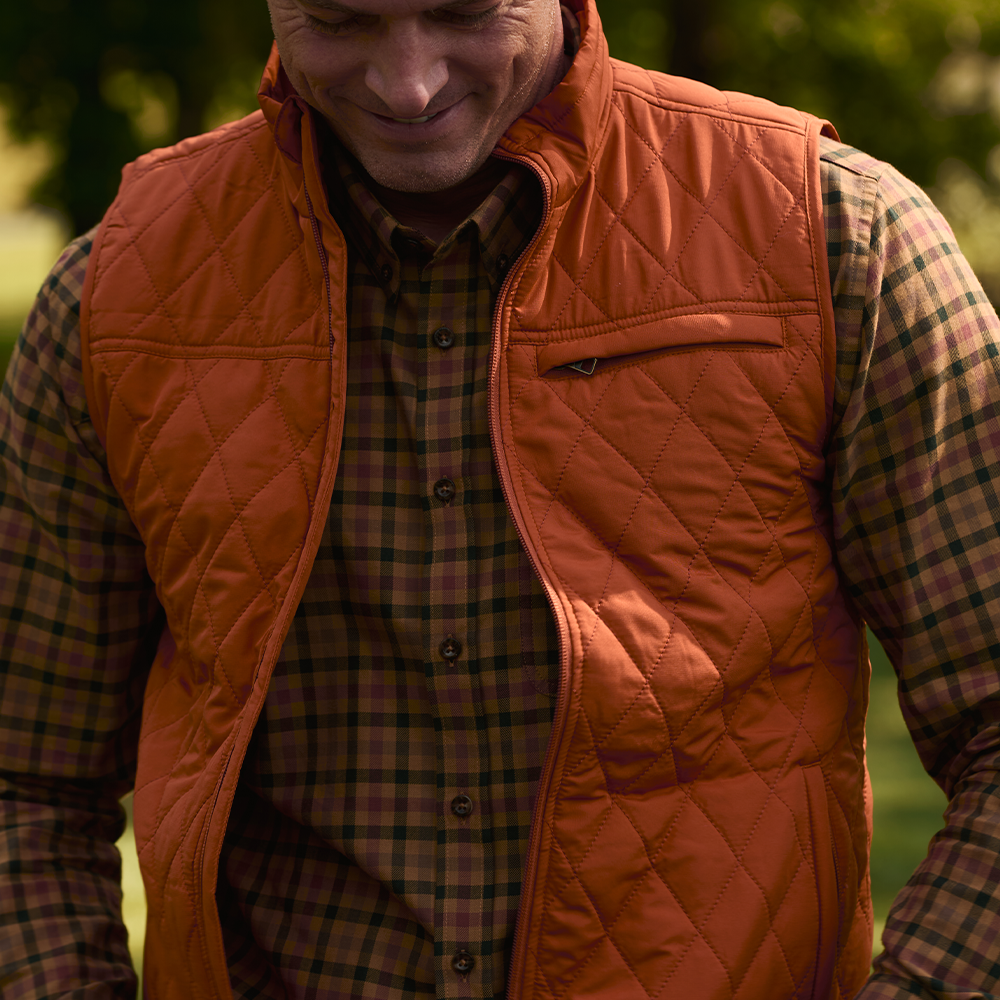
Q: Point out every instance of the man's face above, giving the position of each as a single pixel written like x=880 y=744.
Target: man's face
x=420 y=90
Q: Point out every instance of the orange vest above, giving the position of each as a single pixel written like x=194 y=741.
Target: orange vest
x=701 y=826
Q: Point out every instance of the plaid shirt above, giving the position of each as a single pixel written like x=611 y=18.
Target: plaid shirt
x=353 y=866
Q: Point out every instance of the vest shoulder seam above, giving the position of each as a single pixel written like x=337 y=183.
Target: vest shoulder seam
x=723 y=109
x=199 y=145
x=724 y=103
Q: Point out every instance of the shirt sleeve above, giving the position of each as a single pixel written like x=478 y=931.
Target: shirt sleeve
x=78 y=626
x=915 y=459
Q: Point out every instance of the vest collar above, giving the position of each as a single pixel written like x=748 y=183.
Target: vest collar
x=562 y=133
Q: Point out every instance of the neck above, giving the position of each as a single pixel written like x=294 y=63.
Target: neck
x=437 y=213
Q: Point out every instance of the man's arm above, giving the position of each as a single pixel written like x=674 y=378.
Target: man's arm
x=78 y=626
x=916 y=457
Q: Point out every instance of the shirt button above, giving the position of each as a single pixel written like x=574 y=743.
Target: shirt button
x=461 y=805
x=451 y=649
x=503 y=262
x=386 y=273
x=463 y=963
x=444 y=490
x=443 y=337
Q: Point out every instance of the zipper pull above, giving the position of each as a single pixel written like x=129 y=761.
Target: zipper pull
x=587 y=366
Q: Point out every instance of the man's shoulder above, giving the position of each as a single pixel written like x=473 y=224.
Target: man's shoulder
x=204 y=185
x=210 y=144
x=677 y=93
x=839 y=156
x=873 y=187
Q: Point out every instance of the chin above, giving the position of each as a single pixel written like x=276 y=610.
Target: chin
x=417 y=182
x=410 y=176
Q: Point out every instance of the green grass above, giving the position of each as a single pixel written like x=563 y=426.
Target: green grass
x=908 y=804
x=9 y=329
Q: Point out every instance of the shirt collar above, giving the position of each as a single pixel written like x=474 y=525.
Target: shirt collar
x=505 y=220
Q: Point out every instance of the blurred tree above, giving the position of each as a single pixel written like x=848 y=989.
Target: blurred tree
x=104 y=81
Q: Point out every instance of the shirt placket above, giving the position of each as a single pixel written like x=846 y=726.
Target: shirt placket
x=446 y=370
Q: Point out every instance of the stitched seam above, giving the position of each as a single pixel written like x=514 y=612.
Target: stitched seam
x=187 y=352
x=237 y=519
x=762 y=129
x=294 y=233
x=708 y=213
x=767 y=252
x=577 y=282
x=710 y=111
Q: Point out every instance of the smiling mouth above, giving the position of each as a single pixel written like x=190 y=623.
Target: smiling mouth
x=414 y=121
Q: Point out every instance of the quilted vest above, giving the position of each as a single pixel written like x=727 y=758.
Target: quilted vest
x=661 y=389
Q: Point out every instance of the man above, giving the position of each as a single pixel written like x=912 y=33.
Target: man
x=476 y=472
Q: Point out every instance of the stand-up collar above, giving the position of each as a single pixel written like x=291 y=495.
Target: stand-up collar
x=282 y=106
x=562 y=133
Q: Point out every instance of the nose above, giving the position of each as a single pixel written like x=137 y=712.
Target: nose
x=406 y=69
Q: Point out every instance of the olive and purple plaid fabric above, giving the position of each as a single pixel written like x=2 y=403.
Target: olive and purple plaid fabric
x=383 y=810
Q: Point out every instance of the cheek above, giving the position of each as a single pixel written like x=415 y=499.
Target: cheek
x=505 y=67
x=311 y=62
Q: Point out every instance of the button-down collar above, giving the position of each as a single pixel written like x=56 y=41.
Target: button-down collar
x=381 y=240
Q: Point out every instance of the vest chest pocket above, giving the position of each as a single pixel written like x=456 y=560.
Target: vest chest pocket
x=587 y=356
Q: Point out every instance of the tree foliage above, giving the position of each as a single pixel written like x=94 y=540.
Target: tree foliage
x=106 y=80
x=915 y=82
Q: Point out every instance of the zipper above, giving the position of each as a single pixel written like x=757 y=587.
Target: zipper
x=203 y=850
x=591 y=366
x=562 y=627
x=324 y=263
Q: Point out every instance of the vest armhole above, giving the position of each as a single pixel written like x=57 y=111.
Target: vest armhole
x=821 y=267
x=98 y=416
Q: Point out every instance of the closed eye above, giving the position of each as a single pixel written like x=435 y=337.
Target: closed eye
x=339 y=27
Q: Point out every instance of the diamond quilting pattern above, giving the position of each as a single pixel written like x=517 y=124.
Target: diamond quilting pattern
x=616 y=238
x=214 y=396
x=671 y=499
x=195 y=441
x=217 y=263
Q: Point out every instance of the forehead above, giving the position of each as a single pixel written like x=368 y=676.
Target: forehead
x=401 y=8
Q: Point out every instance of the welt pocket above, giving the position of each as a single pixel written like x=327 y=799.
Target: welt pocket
x=731 y=331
